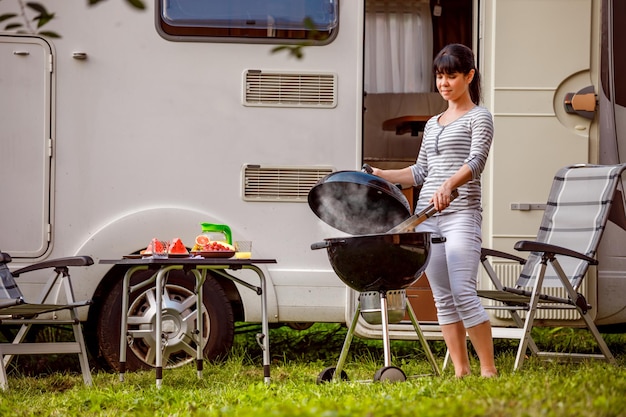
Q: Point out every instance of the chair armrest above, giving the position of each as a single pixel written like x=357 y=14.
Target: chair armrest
x=484 y=252
x=531 y=246
x=56 y=263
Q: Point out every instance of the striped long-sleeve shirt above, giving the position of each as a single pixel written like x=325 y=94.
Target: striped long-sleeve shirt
x=445 y=149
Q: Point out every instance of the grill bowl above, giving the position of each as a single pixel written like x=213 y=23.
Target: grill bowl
x=378 y=262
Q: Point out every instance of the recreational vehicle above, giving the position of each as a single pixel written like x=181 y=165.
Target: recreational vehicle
x=118 y=125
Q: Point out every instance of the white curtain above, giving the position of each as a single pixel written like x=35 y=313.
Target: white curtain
x=398 y=47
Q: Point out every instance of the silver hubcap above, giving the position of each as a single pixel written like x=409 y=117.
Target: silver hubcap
x=178 y=326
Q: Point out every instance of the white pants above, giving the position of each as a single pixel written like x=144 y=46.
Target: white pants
x=453 y=266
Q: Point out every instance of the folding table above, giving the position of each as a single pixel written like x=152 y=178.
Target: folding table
x=198 y=267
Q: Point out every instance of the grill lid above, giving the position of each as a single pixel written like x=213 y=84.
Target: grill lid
x=358 y=203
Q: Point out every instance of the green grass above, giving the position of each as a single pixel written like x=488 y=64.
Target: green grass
x=235 y=387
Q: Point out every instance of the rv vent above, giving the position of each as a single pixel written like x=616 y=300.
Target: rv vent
x=290 y=89
x=288 y=184
x=508 y=274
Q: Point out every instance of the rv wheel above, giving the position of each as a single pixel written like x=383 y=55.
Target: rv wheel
x=179 y=323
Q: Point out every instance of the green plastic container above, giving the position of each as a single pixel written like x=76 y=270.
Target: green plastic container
x=211 y=230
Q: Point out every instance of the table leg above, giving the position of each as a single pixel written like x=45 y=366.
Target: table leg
x=264 y=323
x=158 y=328
x=124 y=317
x=161 y=279
x=158 y=331
x=200 y=278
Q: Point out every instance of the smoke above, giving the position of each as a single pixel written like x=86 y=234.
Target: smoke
x=355 y=208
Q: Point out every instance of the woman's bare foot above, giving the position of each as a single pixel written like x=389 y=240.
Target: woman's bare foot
x=463 y=372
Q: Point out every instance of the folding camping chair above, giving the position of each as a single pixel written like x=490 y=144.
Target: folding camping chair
x=575 y=217
x=14 y=310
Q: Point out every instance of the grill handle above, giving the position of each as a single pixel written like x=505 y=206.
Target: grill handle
x=320 y=245
x=328 y=243
x=409 y=224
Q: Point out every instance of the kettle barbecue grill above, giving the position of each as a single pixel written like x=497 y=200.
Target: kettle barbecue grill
x=355 y=203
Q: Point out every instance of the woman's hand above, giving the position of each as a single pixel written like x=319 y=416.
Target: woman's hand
x=441 y=198
x=371 y=170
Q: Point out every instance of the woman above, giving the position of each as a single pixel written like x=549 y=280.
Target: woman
x=453 y=154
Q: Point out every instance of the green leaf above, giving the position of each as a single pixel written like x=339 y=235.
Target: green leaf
x=49 y=34
x=293 y=50
x=11 y=26
x=43 y=19
x=279 y=48
x=38 y=7
x=138 y=4
x=7 y=16
x=309 y=23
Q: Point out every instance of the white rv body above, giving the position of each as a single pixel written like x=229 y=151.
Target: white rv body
x=112 y=135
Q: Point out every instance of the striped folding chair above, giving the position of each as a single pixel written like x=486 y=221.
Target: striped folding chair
x=16 y=312
x=575 y=217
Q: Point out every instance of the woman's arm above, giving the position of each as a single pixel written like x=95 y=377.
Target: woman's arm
x=402 y=176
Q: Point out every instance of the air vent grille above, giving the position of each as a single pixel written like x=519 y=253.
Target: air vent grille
x=509 y=273
x=290 y=89
x=288 y=184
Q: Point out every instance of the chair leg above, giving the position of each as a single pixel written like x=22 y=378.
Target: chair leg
x=446 y=359
x=18 y=338
x=6 y=359
x=520 y=324
x=4 y=385
x=82 y=356
x=599 y=339
x=78 y=332
x=588 y=321
x=80 y=340
x=530 y=318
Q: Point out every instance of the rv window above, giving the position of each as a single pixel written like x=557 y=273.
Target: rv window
x=266 y=21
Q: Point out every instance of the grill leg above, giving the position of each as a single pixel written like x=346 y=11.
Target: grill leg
x=346 y=344
x=385 y=322
x=420 y=335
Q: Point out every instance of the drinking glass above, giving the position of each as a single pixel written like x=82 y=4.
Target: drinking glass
x=159 y=249
x=243 y=249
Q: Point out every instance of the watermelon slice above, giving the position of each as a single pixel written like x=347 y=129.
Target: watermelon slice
x=177 y=247
x=159 y=247
x=148 y=250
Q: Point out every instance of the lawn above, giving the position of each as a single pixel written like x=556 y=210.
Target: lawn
x=235 y=388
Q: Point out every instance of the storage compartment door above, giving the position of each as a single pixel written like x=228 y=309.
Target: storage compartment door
x=534 y=52
x=25 y=132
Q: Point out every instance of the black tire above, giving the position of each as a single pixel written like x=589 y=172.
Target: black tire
x=327 y=375
x=390 y=374
x=219 y=327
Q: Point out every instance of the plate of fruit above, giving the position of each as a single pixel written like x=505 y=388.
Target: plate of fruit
x=212 y=248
